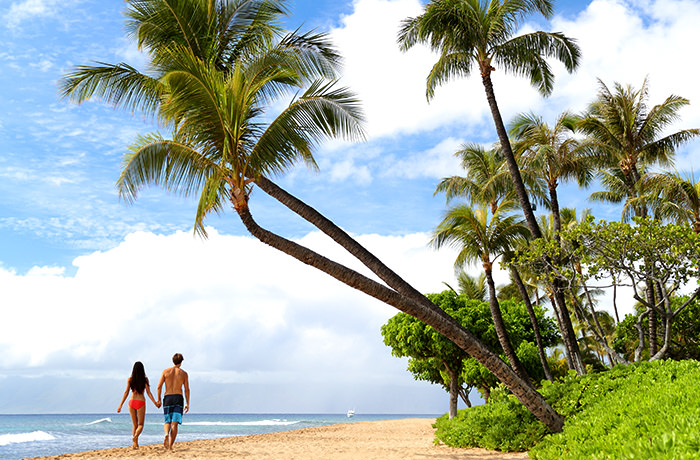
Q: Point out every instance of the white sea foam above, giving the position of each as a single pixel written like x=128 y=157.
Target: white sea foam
x=102 y=420
x=16 y=438
x=253 y=423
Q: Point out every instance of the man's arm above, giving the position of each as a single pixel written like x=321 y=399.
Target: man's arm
x=160 y=384
x=186 y=383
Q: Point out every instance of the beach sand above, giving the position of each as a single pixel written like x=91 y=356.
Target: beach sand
x=403 y=439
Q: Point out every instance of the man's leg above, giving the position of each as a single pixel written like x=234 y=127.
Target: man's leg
x=173 y=433
x=166 y=441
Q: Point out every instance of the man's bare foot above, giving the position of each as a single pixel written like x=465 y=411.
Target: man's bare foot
x=166 y=442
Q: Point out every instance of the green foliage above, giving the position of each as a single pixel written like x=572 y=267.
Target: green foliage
x=685 y=343
x=645 y=411
x=685 y=338
x=504 y=424
x=409 y=337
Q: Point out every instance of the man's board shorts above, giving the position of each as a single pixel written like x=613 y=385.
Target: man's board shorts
x=172 y=408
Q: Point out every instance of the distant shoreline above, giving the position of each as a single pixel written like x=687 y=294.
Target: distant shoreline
x=398 y=439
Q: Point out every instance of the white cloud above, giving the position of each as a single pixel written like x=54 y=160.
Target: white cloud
x=390 y=83
x=230 y=304
x=436 y=162
x=20 y=11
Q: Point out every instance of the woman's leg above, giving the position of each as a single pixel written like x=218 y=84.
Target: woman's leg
x=134 y=421
x=141 y=413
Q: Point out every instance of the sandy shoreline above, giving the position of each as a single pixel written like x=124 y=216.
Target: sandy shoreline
x=403 y=439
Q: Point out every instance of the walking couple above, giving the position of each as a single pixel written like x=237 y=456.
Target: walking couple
x=174 y=404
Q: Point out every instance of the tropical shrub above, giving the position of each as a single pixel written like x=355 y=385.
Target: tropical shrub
x=645 y=411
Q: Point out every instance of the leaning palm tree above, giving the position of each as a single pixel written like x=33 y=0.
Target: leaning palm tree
x=211 y=78
x=478 y=35
x=480 y=238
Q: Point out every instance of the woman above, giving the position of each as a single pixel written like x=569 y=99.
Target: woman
x=138 y=385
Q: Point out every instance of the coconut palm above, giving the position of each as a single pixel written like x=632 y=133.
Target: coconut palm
x=487 y=180
x=474 y=287
x=210 y=81
x=681 y=198
x=626 y=134
x=476 y=34
x=553 y=152
x=478 y=238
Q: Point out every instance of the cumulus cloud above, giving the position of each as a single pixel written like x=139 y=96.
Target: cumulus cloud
x=620 y=41
x=236 y=308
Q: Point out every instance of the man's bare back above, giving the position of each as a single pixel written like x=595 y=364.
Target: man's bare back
x=174 y=379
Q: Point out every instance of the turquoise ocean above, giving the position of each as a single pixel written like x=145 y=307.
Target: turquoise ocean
x=27 y=436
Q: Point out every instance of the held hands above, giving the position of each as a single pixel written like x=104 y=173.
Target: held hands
x=158 y=404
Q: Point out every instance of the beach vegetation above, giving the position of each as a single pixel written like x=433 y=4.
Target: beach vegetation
x=643 y=410
x=639 y=254
x=629 y=138
x=434 y=358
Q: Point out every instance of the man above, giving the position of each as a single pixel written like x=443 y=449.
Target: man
x=174 y=379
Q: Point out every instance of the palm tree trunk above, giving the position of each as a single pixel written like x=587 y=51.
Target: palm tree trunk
x=565 y=326
x=446 y=325
x=501 y=331
x=509 y=156
x=567 y=329
x=533 y=320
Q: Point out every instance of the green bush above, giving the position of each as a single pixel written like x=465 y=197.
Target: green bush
x=643 y=411
x=503 y=424
x=640 y=411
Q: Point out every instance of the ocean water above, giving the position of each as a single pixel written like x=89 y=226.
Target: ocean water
x=27 y=436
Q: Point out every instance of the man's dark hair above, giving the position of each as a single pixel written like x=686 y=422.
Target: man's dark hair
x=177 y=359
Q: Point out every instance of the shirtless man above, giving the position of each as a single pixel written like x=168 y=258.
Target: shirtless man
x=174 y=379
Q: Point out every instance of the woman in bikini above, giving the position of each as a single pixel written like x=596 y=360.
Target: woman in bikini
x=138 y=385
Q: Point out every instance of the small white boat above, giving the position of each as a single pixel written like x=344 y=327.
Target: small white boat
x=351 y=413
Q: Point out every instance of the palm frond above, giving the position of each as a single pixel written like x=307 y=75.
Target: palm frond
x=119 y=85
x=153 y=160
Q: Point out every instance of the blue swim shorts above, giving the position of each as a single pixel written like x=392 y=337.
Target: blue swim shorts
x=172 y=408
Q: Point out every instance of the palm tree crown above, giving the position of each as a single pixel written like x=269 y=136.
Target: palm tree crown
x=469 y=32
x=213 y=78
x=625 y=132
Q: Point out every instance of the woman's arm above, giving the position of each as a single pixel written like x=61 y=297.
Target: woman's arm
x=150 y=395
x=126 y=393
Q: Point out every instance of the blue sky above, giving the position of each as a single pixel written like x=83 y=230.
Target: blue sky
x=88 y=284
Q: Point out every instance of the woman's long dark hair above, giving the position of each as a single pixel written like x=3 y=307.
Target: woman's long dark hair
x=138 y=380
